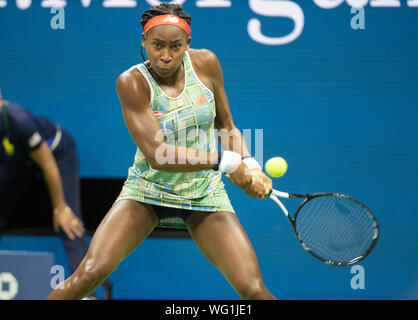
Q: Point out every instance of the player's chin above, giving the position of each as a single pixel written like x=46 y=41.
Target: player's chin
x=164 y=72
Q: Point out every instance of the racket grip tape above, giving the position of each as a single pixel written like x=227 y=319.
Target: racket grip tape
x=278 y=193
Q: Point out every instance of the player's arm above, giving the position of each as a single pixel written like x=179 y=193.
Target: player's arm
x=63 y=215
x=147 y=134
x=230 y=137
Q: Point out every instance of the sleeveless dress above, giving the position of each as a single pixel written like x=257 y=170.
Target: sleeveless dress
x=187 y=121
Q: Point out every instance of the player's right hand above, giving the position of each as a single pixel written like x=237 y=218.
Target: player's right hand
x=248 y=180
x=240 y=176
x=259 y=186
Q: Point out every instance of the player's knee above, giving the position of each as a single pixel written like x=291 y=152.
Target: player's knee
x=252 y=289
x=94 y=272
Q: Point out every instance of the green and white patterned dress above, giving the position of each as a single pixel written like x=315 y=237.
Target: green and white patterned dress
x=187 y=121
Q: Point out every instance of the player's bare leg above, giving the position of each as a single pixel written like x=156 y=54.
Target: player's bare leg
x=124 y=227
x=223 y=241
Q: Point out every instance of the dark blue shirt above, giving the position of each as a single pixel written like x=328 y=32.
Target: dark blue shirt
x=21 y=133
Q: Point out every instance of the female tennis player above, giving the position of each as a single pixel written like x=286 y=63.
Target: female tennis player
x=172 y=105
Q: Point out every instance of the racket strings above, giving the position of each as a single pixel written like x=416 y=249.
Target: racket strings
x=335 y=229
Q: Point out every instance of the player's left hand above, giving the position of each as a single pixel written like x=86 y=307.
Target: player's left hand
x=261 y=185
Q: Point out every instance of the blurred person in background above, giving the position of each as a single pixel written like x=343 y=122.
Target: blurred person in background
x=34 y=147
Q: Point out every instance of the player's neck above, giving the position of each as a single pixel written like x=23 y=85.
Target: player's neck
x=172 y=80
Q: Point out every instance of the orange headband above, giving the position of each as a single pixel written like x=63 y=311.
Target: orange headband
x=167 y=19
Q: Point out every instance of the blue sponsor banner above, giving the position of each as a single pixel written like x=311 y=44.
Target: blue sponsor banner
x=25 y=275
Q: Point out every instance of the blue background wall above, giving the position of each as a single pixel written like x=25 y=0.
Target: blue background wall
x=339 y=104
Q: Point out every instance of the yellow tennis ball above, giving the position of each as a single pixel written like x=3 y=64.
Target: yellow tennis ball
x=276 y=167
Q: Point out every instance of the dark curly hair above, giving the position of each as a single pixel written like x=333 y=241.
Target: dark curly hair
x=162 y=9
x=165 y=8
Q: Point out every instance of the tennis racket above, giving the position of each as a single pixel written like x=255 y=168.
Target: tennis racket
x=333 y=227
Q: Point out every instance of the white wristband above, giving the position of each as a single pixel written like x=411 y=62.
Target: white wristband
x=252 y=164
x=230 y=161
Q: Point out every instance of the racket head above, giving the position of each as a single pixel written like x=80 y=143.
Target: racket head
x=335 y=228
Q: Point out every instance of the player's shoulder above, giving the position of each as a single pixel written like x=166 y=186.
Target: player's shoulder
x=131 y=79
x=129 y=76
x=205 y=63
x=203 y=57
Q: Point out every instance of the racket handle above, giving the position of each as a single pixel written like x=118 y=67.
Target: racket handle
x=279 y=194
x=280 y=204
